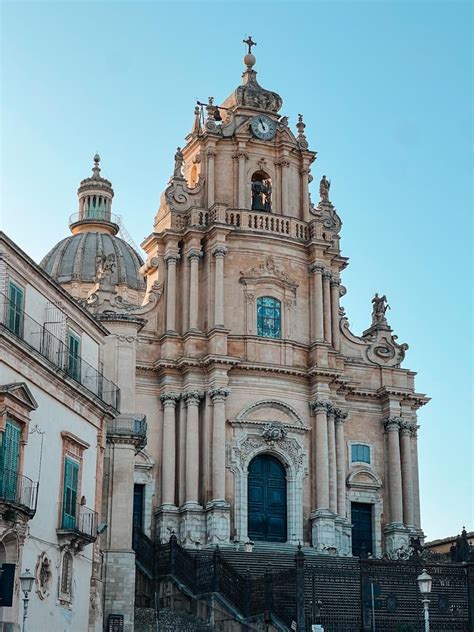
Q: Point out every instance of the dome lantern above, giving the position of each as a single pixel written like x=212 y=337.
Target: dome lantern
x=95 y=205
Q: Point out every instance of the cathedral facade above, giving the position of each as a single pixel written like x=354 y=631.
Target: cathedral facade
x=268 y=419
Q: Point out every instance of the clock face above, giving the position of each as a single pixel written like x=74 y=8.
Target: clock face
x=263 y=127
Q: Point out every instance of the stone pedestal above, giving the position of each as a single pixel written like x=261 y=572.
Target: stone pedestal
x=217 y=522
x=167 y=522
x=343 y=529
x=396 y=535
x=323 y=530
x=192 y=524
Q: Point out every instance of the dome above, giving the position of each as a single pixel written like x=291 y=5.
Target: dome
x=74 y=259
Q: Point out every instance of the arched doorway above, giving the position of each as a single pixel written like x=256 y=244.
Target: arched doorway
x=267 y=499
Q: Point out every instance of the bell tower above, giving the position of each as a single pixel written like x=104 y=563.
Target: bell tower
x=252 y=351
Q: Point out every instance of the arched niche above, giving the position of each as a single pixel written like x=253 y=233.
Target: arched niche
x=261 y=191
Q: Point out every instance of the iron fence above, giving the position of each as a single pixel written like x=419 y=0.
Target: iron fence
x=18 y=490
x=56 y=352
x=79 y=519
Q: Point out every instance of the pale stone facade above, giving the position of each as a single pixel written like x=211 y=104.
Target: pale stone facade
x=222 y=383
x=60 y=404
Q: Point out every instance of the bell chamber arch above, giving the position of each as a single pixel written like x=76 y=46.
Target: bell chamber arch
x=261 y=187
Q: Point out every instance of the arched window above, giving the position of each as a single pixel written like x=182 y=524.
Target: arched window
x=268 y=317
x=261 y=191
x=66 y=577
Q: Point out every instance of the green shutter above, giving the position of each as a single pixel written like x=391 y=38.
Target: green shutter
x=10 y=459
x=71 y=483
x=15 y=310
x=74 y=360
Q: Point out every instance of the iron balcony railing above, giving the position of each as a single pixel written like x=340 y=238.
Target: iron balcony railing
x=128 y=424
x=18 y=490
x=78 y=519
x=38 y=337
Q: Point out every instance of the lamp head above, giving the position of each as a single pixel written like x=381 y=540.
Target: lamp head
x=424 y=582
x=26 y=581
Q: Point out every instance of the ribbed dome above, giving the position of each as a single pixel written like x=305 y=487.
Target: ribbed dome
x=75 y=259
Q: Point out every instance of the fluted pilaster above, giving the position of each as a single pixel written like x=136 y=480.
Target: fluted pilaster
x=392 y=426
x=192 y=399
x=219 y=253
x=317 y=303
x=168 y=456
x=194 y=257
x=327 y=306
x=341 y=462
x=171 y=260
x=218 y=396
x=320 y=407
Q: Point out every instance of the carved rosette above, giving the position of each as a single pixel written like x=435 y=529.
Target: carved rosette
x=218 y=394
x=274 y=432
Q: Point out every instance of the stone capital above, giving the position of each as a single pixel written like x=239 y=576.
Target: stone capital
x=316 y=267
x=240 y=155
x=392 y=424
x=406 y=428
x=341 y=416
x=219 y=251
x=210 y=153
x=335 y=281
x=218 y=394
x=318 y=405
x=194 y=254
x=192 y=398
x=170 y=399
x=172 y=257
x=327 y=276
x=414 y=431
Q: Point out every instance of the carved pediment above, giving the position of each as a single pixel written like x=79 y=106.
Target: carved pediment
x=266 y=271
x=18 y=393
x=364 y=478
x=267 y=412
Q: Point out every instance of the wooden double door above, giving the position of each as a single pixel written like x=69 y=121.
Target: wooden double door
x=267 y=504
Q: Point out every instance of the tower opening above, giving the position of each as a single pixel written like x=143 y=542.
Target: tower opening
x=261 y=191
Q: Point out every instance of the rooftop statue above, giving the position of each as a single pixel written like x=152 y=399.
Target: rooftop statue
x=379 y=307
x=324 y=187
x=178 y=163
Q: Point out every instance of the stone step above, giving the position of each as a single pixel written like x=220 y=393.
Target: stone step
x=169 y=621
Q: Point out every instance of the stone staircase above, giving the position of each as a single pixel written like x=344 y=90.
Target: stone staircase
x=169 y=621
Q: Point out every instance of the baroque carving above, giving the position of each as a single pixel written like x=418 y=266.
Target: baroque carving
x=254 y=443
x=274 y=432
x=218 y=394
x=265 y=270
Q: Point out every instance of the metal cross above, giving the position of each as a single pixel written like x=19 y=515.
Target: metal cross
x=250 y=43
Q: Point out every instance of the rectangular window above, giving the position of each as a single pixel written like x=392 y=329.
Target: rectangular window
x=74 y=355
x=10 y=459
x=71 y=486
x=362 y=530
x=15 y=309
x=138 y=504
x=360 y=453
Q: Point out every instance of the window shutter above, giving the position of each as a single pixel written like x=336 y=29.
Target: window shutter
x=10 y=458
x=71 y=482
x=15 y=309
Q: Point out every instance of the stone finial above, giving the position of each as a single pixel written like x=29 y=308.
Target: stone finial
x=249 y=59
x=96 y=168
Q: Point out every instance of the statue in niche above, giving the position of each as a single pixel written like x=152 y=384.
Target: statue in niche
x=324 y=187
x=379 y=307
x=178 y=163
x=261 y=193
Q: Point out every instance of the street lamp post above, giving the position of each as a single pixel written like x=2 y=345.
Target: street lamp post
x=26 y=583
x=424 y=584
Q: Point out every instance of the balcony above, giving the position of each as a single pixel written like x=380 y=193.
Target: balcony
x=128 y=428
x=56 y=352
x=77 y=525
x=18 y=495
x=95 y=215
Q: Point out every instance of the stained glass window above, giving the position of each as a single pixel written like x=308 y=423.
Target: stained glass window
x=360 y=453
x=268 y=317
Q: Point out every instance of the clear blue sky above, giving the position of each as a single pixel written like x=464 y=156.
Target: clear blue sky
x=385 y=88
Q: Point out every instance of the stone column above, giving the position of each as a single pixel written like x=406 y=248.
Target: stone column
x=416 y=478
x=194 y=257
x=277 y=192
x=317 y=311
x=218 y=396
x=392 y=425
x=407 y=474
x=242 y=157
x=219 y=253
x=210 y=177
x=335 y=283
x=192 y=448
x=327 y=306
x=332 y=459
x=285 y=202
x=305 y=193
x=168 y=457
x=320 y=407
x=171 y=260
x=341 y=463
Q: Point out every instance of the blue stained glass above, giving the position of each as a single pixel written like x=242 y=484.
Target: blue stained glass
x=268 y=317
